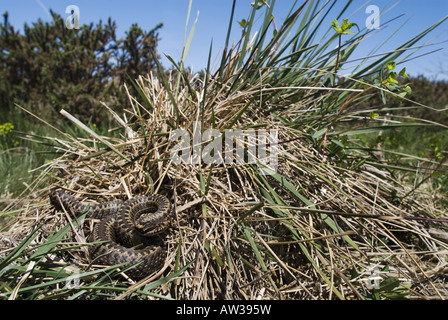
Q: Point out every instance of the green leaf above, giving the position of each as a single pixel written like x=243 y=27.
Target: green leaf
x=209 y=247
x=257 y=4
x=335 y=26
x=319 y=133
x=338 y=143
x=389 y=284
x=391 y=78
x=345 y=28
x=403 y=73
x=348 y=25
x=391 y=65
x=407 y=89
x=402 y=94
x=373 y=115
x=243 y=23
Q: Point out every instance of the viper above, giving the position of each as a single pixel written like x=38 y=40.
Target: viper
x=124 y=227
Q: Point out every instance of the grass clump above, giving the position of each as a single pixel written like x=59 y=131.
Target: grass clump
x=332 y=222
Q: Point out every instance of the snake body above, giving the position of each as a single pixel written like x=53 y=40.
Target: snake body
x=123 y=225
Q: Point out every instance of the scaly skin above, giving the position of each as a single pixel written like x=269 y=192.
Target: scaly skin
x=123 y=225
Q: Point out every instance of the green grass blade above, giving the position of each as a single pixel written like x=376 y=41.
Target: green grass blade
x=166 y=279
x=53 y=240
x=19 y=250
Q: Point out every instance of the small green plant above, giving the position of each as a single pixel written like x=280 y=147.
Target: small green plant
x=5 y=128
x=344 y=29
x=389 y=80
x=5 y=138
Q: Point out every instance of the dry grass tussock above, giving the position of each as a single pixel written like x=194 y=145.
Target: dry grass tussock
x=312 y=230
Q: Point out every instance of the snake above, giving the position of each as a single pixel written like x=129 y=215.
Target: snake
x=124 y=227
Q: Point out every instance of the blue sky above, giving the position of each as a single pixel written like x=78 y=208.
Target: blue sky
x=214 y=17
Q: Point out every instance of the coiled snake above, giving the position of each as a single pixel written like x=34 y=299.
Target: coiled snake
x=123 y=225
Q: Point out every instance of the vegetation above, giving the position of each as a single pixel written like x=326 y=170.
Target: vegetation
x=51 y=67
x=350 y=213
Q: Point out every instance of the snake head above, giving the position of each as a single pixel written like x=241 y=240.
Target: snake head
x=149 y=213
x=150 y=225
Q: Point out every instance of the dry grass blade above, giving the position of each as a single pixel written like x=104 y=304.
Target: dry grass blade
x=92 y=133
x=252 y=234
x=317 y=227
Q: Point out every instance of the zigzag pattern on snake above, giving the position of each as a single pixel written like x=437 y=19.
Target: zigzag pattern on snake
x=123 y=225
